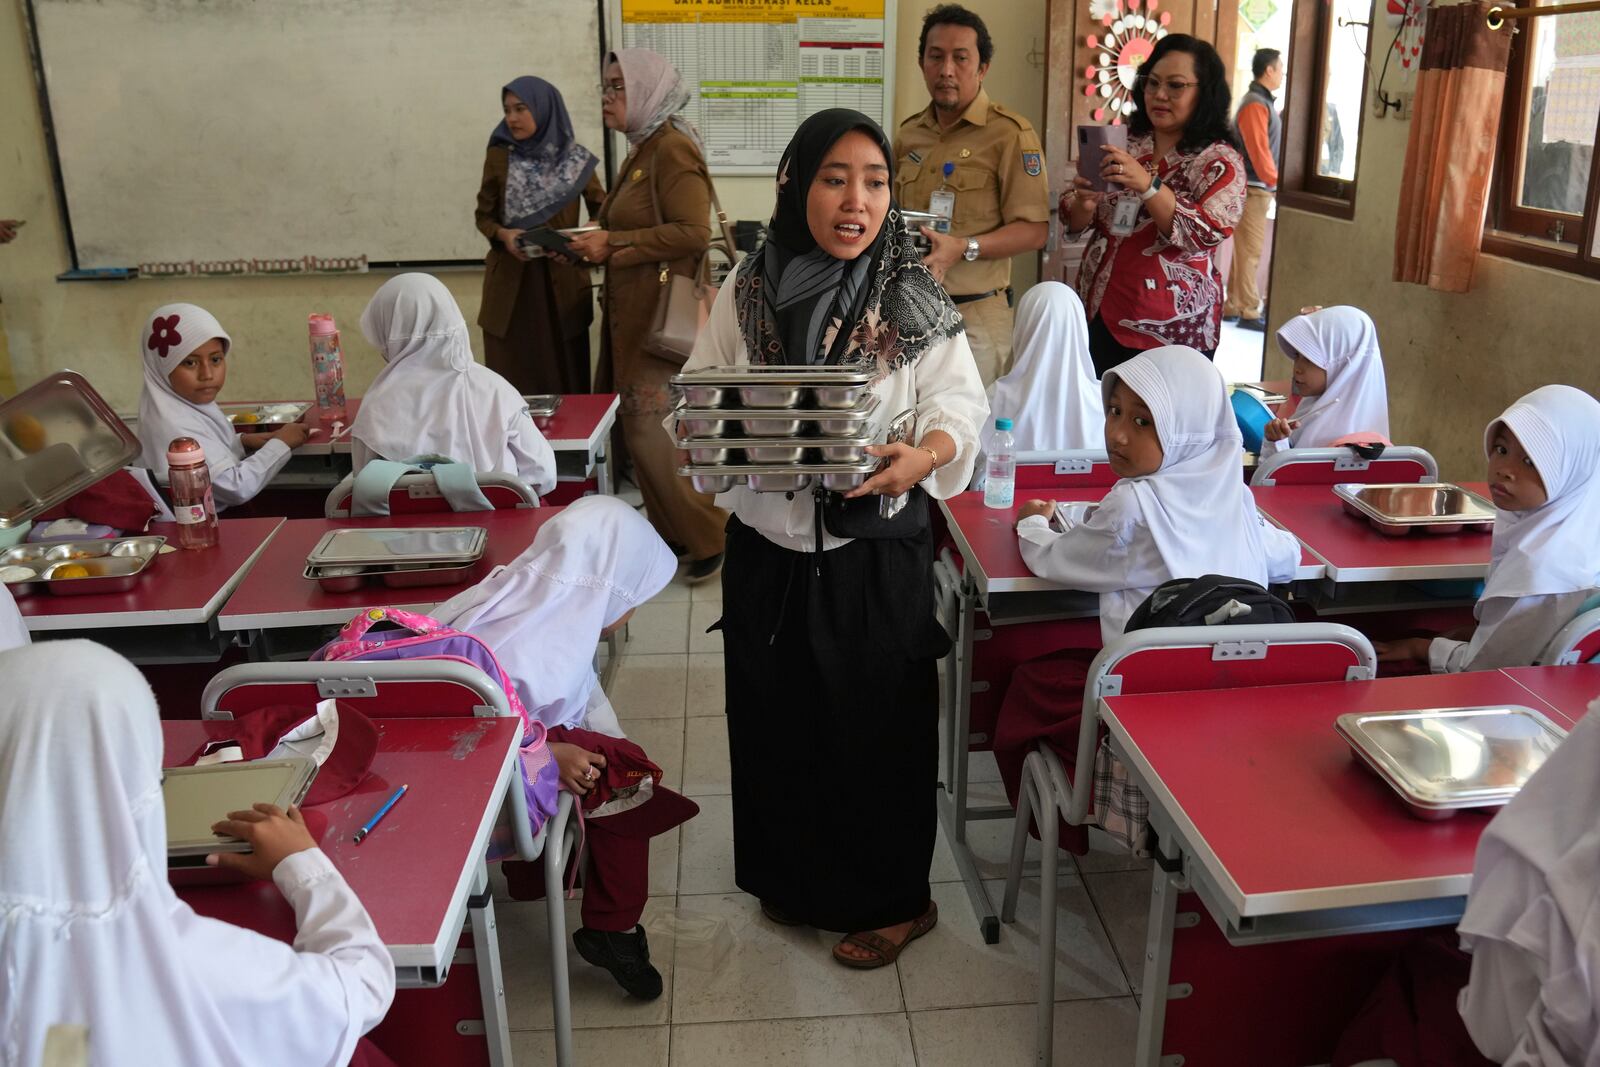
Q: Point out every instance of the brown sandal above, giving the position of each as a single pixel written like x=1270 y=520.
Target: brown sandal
x=884 y=951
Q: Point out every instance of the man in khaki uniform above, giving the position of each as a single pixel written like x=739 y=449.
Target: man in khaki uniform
x=980 y=164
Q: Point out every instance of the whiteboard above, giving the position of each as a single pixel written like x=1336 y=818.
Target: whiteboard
x=757 y=68
x=239 y=129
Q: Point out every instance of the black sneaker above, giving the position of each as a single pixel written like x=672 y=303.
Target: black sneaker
x=1230 y=318
x=677 y=550
x=1258 y=325
x=625 y=955
x=703 y=570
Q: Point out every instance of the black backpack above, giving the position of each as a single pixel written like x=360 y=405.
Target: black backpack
x=1209 y=600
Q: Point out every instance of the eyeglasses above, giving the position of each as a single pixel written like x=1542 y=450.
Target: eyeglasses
x=1170 y=87
x=614 y=89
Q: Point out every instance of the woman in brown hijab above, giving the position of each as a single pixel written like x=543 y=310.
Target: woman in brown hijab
x=536 y=310
x=655 y=220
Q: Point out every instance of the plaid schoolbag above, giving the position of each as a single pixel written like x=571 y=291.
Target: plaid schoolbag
x=407 y=635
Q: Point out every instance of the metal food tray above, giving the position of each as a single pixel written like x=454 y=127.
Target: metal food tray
x=789 y=478
x=738 y=451
x=1071 y=513
x=1443 y=760
x=253 y=418
x=398 y=546
x=777 y=422
x=913 y=221
x=57 y=438
x=834 y=388
x=1434 y=507
x=344 y=579
x=114 y=565
x=542 y=407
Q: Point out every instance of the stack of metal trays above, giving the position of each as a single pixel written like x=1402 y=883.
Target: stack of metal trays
x=1443 y=760
x=398 y=557
x=775 y=429
x=542 y=407
x=57 y=438
x=1433 y=507
x=71 y=568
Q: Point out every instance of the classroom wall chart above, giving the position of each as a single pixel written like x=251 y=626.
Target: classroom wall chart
x=756 y=68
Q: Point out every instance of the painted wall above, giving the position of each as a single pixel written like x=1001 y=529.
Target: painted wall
x=1453 y=361
x=93 y=326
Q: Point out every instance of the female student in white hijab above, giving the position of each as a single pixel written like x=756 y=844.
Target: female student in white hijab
x=185 y=352
x=1544 y=478
x=1051 y=395
x=1180 y=510
x=13 y=631
x=1338 y=373
x=432 y=399
x=542 y=614
x=92 y=934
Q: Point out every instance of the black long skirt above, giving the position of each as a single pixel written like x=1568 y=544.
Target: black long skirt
x=833 y=708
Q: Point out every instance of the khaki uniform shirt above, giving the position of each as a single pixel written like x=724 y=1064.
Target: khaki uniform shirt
x=998 y=178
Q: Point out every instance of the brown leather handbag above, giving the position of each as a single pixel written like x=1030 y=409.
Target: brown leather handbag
x=685 y=299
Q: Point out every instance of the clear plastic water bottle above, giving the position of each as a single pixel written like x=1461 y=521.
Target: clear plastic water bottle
x=327 y=366
x=1000 y=466
x=189 y=479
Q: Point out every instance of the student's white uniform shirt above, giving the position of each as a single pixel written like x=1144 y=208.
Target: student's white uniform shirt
x=13 y=631
x=942 y=385
x=431 y=398
x=1543 y=563
x=92 y=934
x=1193 y=516
x=1344 y=342
x=1532 y=921
x=170 y=334
x=542 y=613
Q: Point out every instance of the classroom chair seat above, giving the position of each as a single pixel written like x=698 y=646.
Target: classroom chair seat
x=1173 y=659
x=1576 y=642
x=1400 y=464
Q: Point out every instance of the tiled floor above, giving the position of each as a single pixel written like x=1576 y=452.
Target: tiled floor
x=741 y=991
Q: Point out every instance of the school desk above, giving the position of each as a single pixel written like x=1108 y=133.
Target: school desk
x=458 y=770
x=1567 y=691
x=275 y=595
x=580 y=434
x=171 y=614
x=1262 y=811
x=996 y=582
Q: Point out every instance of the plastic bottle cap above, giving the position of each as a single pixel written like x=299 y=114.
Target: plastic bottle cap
x=185 y=452
x=322 y=325
x=1003 y=424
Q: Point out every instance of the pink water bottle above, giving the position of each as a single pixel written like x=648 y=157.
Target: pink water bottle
x=327 y=366
x=189 y=479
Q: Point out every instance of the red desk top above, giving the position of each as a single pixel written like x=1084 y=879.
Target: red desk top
x=457 y=769
x=581 y=421
x=987 y=540
x=1275 y=806
x=1567 y=690
x=275 y=594
x=1355 y=552
x=178 y=588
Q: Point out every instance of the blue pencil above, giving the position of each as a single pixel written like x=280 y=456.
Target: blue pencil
x=381 y=812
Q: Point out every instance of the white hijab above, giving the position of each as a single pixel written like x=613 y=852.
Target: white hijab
x=170 y=334
x=1198 y=510
x=431 y=398
x=1555 y=548
x=91 y=933
x=13 y=631
x=1344 y=342
x=1534 y=896
x=1051 y=396
x=543 y=612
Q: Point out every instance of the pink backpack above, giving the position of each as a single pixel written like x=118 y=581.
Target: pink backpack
x=416 y=636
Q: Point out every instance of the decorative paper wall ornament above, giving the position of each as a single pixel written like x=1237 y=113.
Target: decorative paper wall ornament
x=1256 y=13
x=1409 y=17
x=1132 y=29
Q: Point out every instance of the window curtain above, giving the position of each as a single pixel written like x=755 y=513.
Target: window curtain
x=1455 y=125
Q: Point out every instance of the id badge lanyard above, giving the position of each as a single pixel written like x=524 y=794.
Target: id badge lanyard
x=1125 y=209
x=943 y=201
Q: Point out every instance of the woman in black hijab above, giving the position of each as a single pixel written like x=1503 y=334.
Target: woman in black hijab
x=828 y=619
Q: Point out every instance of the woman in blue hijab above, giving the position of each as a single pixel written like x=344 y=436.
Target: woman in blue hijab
x=536 y=308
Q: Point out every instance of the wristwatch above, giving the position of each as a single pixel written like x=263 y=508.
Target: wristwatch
x=1155 y=187
x=972 y=250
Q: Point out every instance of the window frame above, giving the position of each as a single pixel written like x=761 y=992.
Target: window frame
x=1522 y=233
x=1301 y=187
